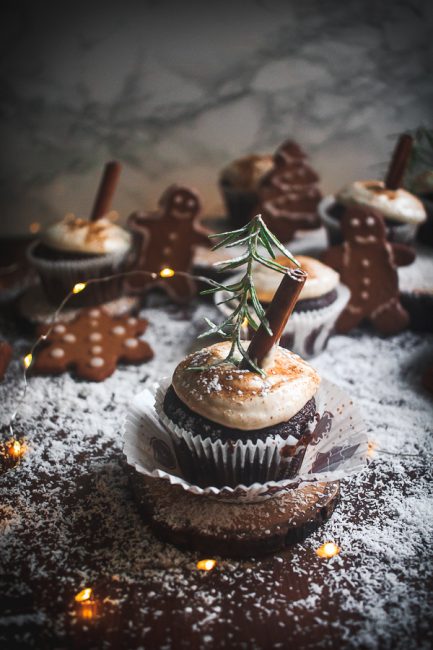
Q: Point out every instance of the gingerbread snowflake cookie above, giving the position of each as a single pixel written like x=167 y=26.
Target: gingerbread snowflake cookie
x=92 y=345
x=367 y=264
x=168 y=238
x=289 y=193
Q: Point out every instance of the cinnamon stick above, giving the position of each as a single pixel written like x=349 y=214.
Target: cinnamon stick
x=399 y=160
x=106 y=190
x=277 y=314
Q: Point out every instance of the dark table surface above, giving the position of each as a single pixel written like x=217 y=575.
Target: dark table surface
x=68 y=519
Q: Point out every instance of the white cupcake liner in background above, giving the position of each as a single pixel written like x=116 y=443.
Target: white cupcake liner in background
x=405 y=233
x=338 y=447
x=70 y=271
x=306 y=333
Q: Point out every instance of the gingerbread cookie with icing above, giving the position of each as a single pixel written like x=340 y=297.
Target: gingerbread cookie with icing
x=168 y=238
x=289 y=193
x=367 y=264
x=92 y=345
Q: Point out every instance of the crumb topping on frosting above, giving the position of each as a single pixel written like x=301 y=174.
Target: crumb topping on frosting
x=76 y=235
x=246 y=173
x=242 y=399
x=320 y=281
x=399 y=204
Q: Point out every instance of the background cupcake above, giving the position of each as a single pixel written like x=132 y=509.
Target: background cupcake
x=320 y=303
x=231 y=426
x=75 y=250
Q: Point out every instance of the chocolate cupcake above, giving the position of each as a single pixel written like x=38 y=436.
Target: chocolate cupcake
x=231 y=426
x=239 y=183
x=75 y=250
x=321 y=301
x=402 y=211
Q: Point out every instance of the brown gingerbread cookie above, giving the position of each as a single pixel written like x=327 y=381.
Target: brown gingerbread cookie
x=92 y=345
x=168 y=238
x=368 y=266
x=289 y=193
x=5 y=358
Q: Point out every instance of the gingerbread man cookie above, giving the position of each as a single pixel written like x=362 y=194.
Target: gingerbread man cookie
x=289 y=194
x=5 y=358
x=168 y=238
x=367 y=265
x=92 y=345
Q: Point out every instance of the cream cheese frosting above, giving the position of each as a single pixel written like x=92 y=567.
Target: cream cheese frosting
x=399 y=204
x=246 y=173
x=320 y=281
x=241 y=399
x=75 y=235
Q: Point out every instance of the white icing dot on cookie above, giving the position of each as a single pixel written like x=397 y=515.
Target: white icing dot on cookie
x=354 y=222
x=94 y=323
x=172 y=236
x=97 y=362
x=130 y=343
x=132 y=321
x=94 y=313
x=96 y=336
x=366 y=282
x=365 y=263
x=96 y=349
x=69 y=338
x=59 y=329
x=166 y=250
x=57 y=353
x=119 y=330
x=364 y=295
x=370 y=221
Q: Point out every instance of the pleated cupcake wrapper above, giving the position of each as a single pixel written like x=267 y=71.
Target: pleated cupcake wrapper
x=59 y=276
x=306 y=333
x=338 y=447
x=405 y=232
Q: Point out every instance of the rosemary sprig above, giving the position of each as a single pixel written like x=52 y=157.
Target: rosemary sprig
x=248 y=309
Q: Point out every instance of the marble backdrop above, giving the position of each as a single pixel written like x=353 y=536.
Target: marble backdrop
x=175 y=91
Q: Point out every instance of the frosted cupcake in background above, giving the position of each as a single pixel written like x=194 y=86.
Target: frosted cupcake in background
x=75 y=250
x=402 y=211
x=239 y=183
x=319 y=305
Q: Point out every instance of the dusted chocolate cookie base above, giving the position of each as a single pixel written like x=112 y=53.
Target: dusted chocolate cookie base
x=233 y=529
x=310 y=304
x=247 y=468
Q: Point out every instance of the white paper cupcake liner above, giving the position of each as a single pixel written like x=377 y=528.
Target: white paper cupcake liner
x=338 y=447
x=59 y=276
x=404 y=233
x=306 y=333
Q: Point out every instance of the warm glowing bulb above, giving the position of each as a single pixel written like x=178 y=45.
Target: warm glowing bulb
x=34 y=227
x=327 y=550
x=84 y=595
x=166 y=273
x=372 y=446
x=27 y=360
x=206 y=565
x=245 y=322
x=78 y=287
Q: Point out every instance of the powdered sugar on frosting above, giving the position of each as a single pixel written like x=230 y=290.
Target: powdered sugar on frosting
x=398 y=204
x=241 y=399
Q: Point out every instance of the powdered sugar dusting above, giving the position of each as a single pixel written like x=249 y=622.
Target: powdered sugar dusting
x=68 y=519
